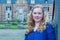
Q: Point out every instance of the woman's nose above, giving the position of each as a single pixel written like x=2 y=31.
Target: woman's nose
x=37 y=14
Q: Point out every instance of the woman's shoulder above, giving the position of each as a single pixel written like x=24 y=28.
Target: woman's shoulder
x=49 y=27
x=48 y=24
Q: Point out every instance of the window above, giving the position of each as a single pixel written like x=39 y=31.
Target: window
x=24 y=1
x=8 y=15
x=8 y=7
x=17 y=2
x=45 y=1
x=32 y=1
x=9 y=1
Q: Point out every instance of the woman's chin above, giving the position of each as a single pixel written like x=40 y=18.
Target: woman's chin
x=37 y=20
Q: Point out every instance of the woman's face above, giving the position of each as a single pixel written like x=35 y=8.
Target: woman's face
x=37 y=14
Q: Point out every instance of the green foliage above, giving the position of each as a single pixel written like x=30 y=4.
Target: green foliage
x=13 y=26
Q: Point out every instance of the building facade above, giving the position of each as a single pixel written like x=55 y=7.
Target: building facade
x=14 y=9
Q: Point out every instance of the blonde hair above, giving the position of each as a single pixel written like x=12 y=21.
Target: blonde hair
x=31 y=23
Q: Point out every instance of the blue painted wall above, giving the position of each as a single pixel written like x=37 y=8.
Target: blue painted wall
x=5 y=1
x=41 y=1
x=28 y=1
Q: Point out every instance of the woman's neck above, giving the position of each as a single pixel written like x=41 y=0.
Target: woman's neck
x=36 y=24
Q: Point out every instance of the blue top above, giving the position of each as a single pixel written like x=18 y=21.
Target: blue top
x=47 y=34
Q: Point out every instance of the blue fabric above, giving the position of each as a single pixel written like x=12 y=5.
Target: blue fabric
x=47 y=34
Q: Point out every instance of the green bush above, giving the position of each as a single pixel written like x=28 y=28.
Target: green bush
x=13 y=26
x=2 y=25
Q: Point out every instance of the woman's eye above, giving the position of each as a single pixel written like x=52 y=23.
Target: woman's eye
x=34 y=13
x=39 y=13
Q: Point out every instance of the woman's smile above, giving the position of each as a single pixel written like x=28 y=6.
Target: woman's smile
x=37 y=17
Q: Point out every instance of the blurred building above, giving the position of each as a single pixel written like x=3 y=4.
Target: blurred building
x=18 y=9
x=13 y=9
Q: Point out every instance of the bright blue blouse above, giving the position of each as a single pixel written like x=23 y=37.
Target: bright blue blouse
x=47 y=34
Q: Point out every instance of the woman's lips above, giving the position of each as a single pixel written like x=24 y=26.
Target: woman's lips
x=36 y=17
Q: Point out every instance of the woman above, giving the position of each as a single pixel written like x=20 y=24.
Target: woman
x=38 y=28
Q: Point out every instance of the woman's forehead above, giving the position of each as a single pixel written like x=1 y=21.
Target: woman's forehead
x=37 y=10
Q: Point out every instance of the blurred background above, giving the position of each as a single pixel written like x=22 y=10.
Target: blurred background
x=14 y=14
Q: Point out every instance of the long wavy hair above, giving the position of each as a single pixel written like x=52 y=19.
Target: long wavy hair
x=31 y=22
